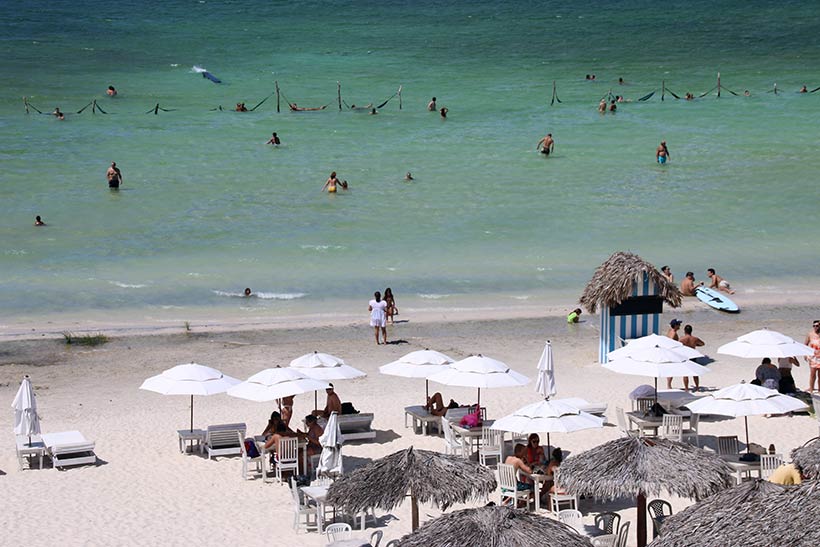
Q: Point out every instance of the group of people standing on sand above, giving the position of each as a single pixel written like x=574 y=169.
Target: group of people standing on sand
x=382 y=310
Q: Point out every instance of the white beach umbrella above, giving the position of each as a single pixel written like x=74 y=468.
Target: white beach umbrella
x=323 y=366
x=548 y=416
x=656 y=362
x=26 y=420
x=189 y=379
x=652 y=341
x=765 y=343
x=545 y=383
x=745 y=400
x=479 y=372
x=330 y=460
x=275 y=383
x=418 y=364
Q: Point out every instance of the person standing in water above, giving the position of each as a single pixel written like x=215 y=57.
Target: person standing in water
x=431 y=106
x=114 y=175
x=443 y=112
x=38 y=221
x=378 y=319
x=332 y=182
x=546 y=145
x=662 y=153
x=111 y=92
x=274 y=140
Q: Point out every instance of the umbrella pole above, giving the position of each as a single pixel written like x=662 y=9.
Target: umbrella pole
x=426 y=391
x=549 y=448
x=746 y=421
x=192 y=413
x=479 y=398
x=414 y=511
x=656 y=391
x=315 y=400
x=641 y=528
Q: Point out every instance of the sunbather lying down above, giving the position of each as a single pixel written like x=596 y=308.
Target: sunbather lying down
x=435 y=405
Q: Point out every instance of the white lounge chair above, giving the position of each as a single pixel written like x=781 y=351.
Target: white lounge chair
x=69 y=448
x=222 y=440
x=356 y=427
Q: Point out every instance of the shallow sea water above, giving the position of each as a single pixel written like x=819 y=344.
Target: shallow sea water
x=208 y=209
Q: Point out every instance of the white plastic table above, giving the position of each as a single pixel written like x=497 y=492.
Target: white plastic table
x=191 y=436
x=34 y=449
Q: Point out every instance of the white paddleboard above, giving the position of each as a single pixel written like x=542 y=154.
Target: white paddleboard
x=716 y=299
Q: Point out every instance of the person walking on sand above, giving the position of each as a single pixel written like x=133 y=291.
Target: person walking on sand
x=693 y=342
x=662 y=153
x=378 y=319
x=674 y=327
x=718 y=282
x=391 y=310
x=546 y=145
x=431 y=106
x=114 y=175
x=813 y=341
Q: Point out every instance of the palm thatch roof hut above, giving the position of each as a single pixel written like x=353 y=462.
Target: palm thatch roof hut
x=807 y=458
x=630 y=292
x=424 y=475
x=494 y=527
x=642 y=467
x=754 y=514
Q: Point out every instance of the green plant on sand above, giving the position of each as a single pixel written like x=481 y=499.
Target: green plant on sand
x=85 y=339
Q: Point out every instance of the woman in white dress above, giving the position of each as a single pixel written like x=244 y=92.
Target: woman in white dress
x=378 y=318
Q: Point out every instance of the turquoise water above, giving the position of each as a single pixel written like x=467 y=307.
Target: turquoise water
x=208 y=209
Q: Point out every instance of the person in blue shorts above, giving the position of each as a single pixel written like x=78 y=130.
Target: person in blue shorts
x=662 y=153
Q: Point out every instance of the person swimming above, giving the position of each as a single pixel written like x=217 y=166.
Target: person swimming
x=111 y=91
x=332 y=182
x=247 y=291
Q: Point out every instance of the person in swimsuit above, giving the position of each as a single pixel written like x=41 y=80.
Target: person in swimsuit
x=57 y=114
x=666 y=271
x=804 y=90
x=443 y=112
x=688 y=286
x=331 y=183
x=602 y=106
x=662 y=153
x=546 y=145
x=718 y=282
x=431 y=106
x=391 y=308
x=813 y=341
x=38 y=221
x=114 y=175
x=111 y=91
x=247 y=291
x=612 y=106
x=408 y=176
x=286 y=409
x=274 y=139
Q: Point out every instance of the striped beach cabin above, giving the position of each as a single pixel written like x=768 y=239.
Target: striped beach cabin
x=630 y=293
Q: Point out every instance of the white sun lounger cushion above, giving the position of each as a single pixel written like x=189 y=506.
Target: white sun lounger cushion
x=69 y=448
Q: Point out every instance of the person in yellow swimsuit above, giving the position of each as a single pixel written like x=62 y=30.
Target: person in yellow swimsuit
x=331 y=183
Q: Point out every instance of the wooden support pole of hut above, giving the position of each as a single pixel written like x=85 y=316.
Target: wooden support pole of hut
x=277 y=95
x=339 y=94
x=414 y=512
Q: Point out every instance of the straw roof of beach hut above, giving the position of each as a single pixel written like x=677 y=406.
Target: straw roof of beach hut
x=754 y=514
x=641 y=467
x=427 y=476
x=613 y=281
x=807 y=458
x=494 y=527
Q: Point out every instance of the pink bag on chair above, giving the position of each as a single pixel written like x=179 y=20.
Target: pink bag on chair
x=471 y=420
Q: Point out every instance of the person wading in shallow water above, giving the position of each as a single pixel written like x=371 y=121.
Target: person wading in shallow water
x=114 y=175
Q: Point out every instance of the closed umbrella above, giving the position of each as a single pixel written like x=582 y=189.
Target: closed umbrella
x=545 y=384
x=765 y=343
x=418 y=364
x=330 y=460
x=548 y=416
x=745 y=400
x=189 y=379
x=26 y=420
x=480 y=372
x=275 y=383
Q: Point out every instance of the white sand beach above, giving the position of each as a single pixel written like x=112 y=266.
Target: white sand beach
x=145 y=492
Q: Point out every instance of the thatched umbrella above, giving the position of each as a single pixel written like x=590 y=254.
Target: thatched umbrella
x=807 y=458
x=753 y=514
x=636 y=466
x=425 y=475
x=494 y=527
x=613 y=281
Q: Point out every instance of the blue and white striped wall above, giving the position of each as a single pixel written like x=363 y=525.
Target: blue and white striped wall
x=623 y=327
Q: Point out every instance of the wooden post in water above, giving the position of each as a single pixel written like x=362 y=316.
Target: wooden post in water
x=718 y=86
x=277 y=95
x=25 y=103
x=663 y=89
x=399 y=97
x=339 y=94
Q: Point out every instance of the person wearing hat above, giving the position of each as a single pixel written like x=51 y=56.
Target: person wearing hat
x=674 y=327
x=333 y=403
